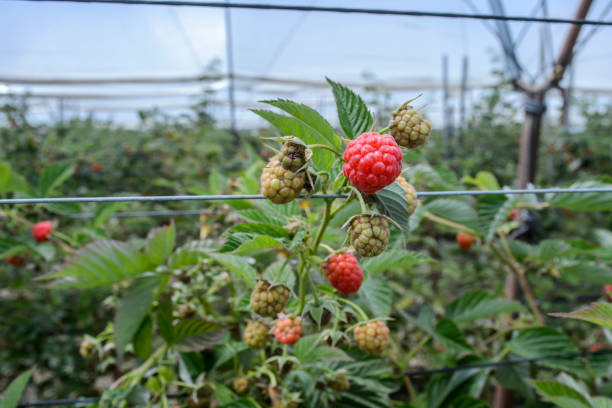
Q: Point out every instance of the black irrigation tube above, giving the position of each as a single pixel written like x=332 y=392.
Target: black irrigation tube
x=501 y=363
x=49 y=200
x=262 y=6
x=414 y=373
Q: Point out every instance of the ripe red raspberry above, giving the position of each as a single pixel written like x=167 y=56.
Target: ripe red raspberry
x=608 y=292
x=596 y=347
x=465 y=240
x=372 y=162
x=256 y=335
x=267 y=300
x=343 y=272
x=372 y=337
x=41 y=231
x=410 y=194
x=288 y=330
x=369 y=234
x=16 y=260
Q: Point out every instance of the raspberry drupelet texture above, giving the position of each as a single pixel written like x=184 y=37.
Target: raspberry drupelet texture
x=372 y=162
x=292 y=156
x=372 y=337
x=344 y=273
x=288 y=330
x=369 y=234
x=280 y=185
x=256 y=335
x=410 y=194
x=408 y=127
x=268 y=300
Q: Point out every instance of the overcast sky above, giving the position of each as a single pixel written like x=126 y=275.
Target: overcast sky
x=98 y=40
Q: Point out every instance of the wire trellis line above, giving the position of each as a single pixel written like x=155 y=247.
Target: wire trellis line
x=421 y=194
x=75 y=401
x=262 y=6
x=501 y=363
x=161 y=213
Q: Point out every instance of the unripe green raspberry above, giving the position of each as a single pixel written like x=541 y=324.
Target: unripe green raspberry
x=267 y=300
x=410 y=193
x=372 y=337
x=256 y=335
x=292 y=156
x=241 y=385
x=279 y=185
x=340 y=383
x=369 y=234
x=87 y=349
x=408 y=127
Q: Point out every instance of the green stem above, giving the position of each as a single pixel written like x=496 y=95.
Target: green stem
x=302 y=278
x=359 y=311
x=364 y=208
x=449 y=223
x=326 y=219
x=314 y=289
x=416 y=349
x=321 y=146
x=327 y=248
x=383 y=130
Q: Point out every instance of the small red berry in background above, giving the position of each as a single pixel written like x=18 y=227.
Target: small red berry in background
x=16 y=260
x=514 y=214
x=465 y=240
x=288 y=330
x=344 y=273
x=95 y=167
x=42 y=230
x=372 y=162
x=608 y=292
x=596 y=347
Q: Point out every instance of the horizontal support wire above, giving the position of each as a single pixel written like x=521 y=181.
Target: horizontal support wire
x=421 y=194
x=414 y=373
x=501 y=363
x=261 y=6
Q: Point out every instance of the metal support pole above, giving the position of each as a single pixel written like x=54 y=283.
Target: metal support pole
x=462 y=95
x=447 y=113
x=229 y=53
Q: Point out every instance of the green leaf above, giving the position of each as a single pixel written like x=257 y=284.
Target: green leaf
x=583 y=201
x=484 y=180
x=11 y=181
x=354 y=116
x=545 y=341
x=5 y=176
x=551 y=249
x=444 y=388
x=377 y=294
x=477 y=305
x=135 y=305
x=493 y=212
x=196 y=334
x=64 y=208
x=604 y=237
x=308 y=350
x=465 y=401
x=393 y=259
x=143 y=339
x=10 y=246
x=602 y=402
x=560 y=394
x=280 y=272
x=311 y=118
x=104 y=212
x=53 y=176
x=456 y=211
x=579 y=272
x=164 y=319
x=599 y=313
x=237 y=265
x=256 y=244
x=259 y=216
x=288 y=125
x=189 y=254
x=10 y=396
x=273 y=231
x=391 y=201
x=447 y=333
x=160 y=244
x=100 y=263
x=242 y=403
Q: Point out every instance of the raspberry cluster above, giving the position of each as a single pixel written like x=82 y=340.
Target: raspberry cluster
x=410 y=194
x=288 y=330
x=256 y=335
x=408 y=127
x=280 y=185
x=343 y=272
x=369 y=234
x=268 y=300
x=372 y=162
x=372 y=337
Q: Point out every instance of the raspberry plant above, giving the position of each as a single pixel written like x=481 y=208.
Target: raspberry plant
x=293 y=305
